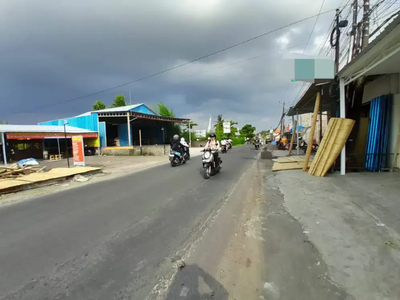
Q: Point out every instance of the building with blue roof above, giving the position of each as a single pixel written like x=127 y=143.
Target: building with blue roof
x=125 y=126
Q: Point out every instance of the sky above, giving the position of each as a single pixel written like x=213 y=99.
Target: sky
x=53 y=52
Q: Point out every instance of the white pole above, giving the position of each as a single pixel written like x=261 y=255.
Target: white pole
x=4 y=149
x=190 y=137
x=297 y=133
x=342 y=115
x=128 y=123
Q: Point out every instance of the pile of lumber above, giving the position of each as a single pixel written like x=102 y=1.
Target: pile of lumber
x=289 y=163
x=15 y=171
x=332 y=144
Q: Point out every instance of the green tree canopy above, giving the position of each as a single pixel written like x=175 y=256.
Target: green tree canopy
x=119 y=101
x=99 y=105
x=164 y=111
x=4 y=122
x=247 y=131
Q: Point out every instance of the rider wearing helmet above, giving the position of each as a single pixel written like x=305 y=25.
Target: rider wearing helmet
x=176 y=145
x=213 y=144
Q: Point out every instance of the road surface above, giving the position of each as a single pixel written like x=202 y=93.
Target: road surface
x=115 y=239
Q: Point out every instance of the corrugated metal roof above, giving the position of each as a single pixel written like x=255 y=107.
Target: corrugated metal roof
x=41 y=128
x=119 y=109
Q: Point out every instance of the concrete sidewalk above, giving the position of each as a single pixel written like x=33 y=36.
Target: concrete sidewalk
x=354 y=223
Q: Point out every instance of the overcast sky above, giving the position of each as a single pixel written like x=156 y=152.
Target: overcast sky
x=54 y=51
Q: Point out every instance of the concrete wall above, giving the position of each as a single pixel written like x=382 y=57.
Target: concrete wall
x=384 y=85
x=152 y=150
x=395 y=124
x=305 y=120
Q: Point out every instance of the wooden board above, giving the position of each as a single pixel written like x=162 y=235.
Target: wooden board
x=332 y=144
x=288 y=166
x=289 y=159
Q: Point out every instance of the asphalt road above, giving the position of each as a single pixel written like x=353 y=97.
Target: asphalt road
x=112 y=239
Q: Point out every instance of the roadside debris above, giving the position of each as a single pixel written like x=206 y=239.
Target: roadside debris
x=178 y=262
x=20 y=169
x=80 y=178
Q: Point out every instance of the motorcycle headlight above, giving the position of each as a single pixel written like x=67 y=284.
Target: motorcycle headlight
x=207 y=155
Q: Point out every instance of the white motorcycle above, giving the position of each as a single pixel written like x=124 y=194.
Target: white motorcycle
x=210 y=167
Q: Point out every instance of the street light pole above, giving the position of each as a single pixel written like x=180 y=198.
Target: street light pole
x=66 y=144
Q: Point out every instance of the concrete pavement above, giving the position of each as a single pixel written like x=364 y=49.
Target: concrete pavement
x=112 y=239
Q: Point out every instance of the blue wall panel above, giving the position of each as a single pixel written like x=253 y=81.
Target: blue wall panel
x=123 y=135
x=376 y=151
x=143 y=109
x=102 y=134
x=89 y=122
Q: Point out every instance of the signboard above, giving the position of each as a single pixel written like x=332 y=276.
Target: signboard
x=78 y=151
x=200 y=133
x=227 y=127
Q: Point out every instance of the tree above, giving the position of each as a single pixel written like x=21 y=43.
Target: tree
x=165 y=111
x=247 y=131
x=119 y=101
x=4 y=122
x=99 y=105
x=192 y=124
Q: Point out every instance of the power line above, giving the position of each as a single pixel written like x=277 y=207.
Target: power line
x=305 y=48
x=186 y=63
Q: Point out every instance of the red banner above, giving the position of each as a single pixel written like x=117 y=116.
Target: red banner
x=43 y=135
x=78 y=151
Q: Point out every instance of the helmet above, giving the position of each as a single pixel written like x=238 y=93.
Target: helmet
x=209 y=138
x=183 y=140
x=212 y=135
x=175 y=137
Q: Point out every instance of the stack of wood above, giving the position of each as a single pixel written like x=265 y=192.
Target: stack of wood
x=15 y=171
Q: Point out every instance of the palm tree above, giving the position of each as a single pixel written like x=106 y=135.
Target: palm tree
x=219 y=121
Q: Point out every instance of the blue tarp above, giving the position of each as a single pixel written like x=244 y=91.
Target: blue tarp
x=298 y=128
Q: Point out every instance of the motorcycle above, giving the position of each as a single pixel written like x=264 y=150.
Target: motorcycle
x=210 y=167
x=257 y=145
x=175 y=158
x=187 y=152
x=303 y=146
x=224 y=148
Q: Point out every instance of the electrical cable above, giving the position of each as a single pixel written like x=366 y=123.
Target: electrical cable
x=186 y=63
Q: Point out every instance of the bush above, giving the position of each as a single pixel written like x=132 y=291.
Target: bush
x=237 y=141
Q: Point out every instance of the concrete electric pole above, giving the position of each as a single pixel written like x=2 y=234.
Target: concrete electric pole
x=365 y=27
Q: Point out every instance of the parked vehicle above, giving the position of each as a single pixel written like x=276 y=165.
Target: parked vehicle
x=224 y=148
x=176 y=159
x=210 y=167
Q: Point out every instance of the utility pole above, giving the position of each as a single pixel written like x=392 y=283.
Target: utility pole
x=354 y=36
x=130 y=100
x=335 y=39
x=336 y=45
x=365 y=35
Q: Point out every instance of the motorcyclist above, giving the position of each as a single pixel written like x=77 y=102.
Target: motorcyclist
x=176 y=146
x=184 y=145
x=213 y=144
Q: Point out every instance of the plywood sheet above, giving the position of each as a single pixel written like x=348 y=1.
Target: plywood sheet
x=296 y=165
x=332 y=143
x=289 y=159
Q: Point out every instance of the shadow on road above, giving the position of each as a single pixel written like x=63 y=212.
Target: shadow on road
x=193 y=283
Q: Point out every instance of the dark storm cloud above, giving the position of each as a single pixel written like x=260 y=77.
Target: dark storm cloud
x=53 y=51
